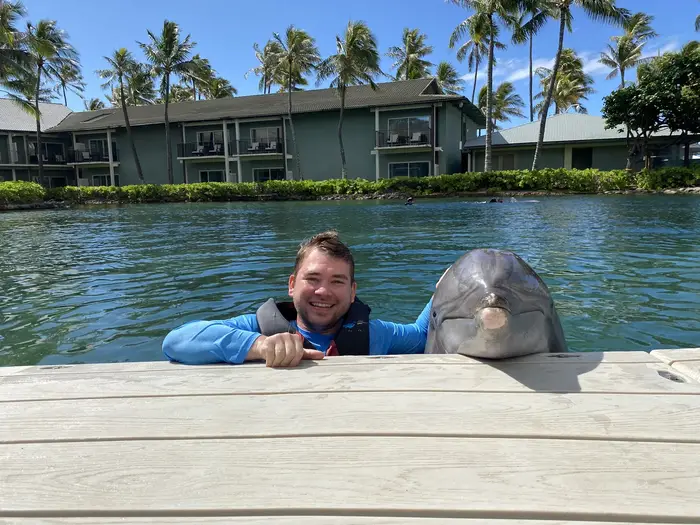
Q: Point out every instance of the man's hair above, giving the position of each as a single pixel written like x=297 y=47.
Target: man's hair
x=329 y=243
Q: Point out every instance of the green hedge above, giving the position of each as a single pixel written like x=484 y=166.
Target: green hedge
x=554 y=180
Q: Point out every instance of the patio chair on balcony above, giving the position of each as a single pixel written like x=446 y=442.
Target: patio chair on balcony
x=216 y=150
x=199 y=150
x=417 y=138
x=254 y=146
x=59 y=158
x=271 y=147
x=393 y=140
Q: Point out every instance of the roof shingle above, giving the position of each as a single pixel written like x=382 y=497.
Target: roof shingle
x=387 y=94
x=565 y=127
x=14 y=118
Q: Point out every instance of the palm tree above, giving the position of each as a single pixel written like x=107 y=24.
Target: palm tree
x=50 y=51
x=122 y=67
x=356 y=62
x=70 y=77
x=528 y=24
x=603 y=10
x=627 y=53
x=14 y=59
x=200 y=72
x=697 y=23
x=448 y=79
x=297 y=55
x=168 y=55
x=267 y=65
x=476 y=48
x=487 y=14
x=572 y=85
x=94 y=104
x=506 y=103
x=219 y=88
x=409 y=60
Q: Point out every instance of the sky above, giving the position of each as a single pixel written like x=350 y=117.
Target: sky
x=225 y=31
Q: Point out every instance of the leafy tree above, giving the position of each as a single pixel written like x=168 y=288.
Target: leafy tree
x=409 y=58
x=506 y=103
x=356 y=62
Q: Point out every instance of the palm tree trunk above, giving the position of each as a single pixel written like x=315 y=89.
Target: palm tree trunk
x=65 y=99
x=343 y=174
x=168 y=160
x=550 y=90
x=489 y=102
x=291 y=123
x=128 y=131
x=194 y=90
x=532 y=108
x=476 y=74
x=622 y=76
x=39 y=156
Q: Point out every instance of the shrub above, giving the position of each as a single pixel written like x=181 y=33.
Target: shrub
x=547 y=179
x=21 y=192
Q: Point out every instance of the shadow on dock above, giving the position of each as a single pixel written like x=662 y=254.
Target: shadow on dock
x=558 y=373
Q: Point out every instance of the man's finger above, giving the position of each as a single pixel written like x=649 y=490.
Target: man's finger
x=289 y=351
x=313 y=354
x=279 y=352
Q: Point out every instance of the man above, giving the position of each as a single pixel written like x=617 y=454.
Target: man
x=323 y=318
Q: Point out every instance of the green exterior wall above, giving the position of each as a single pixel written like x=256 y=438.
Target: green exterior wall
x=610 y=158
x=317 y=143
x=384 y=161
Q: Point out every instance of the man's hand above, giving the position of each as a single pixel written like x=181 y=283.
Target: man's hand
x=281 y=350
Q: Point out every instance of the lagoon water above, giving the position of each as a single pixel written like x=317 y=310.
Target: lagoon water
x=106 y=283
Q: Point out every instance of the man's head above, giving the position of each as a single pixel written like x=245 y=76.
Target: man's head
x=323 y=283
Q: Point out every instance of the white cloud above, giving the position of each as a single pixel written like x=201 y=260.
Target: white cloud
x=524 y=71
x=668 y=47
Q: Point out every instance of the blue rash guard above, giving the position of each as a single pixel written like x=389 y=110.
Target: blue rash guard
x=228 y=341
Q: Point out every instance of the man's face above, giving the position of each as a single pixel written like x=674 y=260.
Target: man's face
x=322 y=291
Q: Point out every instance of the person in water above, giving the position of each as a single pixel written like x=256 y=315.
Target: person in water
x=324 y=318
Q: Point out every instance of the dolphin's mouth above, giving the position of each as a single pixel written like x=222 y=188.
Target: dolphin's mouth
x=493 y=318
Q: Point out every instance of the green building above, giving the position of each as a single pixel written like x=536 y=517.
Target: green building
x=18 y=145
x=404 y=128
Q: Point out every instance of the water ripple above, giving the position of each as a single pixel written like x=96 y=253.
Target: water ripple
x=106 y=283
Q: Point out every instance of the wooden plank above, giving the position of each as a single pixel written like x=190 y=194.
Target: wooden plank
x=688 y=368
x=558 y=376
x=422 y=359
x=302 y=520
x=615 y=481
x=592 y=416
x=681 y=354
x=9 y=370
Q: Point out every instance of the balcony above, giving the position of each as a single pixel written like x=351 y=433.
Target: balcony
x=402 y=140
x=92 y=156
x=188 y=150
x=51 y=158
x=260 y=147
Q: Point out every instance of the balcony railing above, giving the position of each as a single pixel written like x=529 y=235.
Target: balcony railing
x=52 y=158
x=84 y=156
x=258 y=147
x=194 y=149
x=391 y=138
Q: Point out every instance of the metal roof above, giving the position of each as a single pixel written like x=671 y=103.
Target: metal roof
x=423 y=90
x=14 y=118
x=565 y=127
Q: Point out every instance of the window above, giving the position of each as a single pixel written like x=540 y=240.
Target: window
x=409 y=169
x=263 y=174
x=54 y=152
x=508 y=161
x=581 y=158
x=211 y=176
x=209 y=138
x=98 y=147
x=104 y=180
x=410 y=130
x=266 y=135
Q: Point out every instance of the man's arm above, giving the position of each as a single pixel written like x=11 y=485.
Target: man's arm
x=207 y=342
x=396 y=338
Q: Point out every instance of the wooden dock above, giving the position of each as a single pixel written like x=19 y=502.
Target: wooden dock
x=423 y=440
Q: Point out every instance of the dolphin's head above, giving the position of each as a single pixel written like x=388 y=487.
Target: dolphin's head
x=491 y=304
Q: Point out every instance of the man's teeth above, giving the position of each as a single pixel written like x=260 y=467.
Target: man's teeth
x=321 y=305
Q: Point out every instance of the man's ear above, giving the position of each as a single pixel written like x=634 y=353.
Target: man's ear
x=290 y=291
x=354 y=290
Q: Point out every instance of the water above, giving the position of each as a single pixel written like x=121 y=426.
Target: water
x=105 y=284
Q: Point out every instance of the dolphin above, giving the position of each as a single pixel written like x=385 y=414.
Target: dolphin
x=491 y=304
